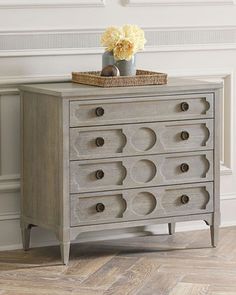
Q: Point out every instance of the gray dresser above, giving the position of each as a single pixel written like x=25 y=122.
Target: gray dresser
x=96 y=159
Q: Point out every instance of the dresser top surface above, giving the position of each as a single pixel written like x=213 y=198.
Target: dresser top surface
x=69 y=89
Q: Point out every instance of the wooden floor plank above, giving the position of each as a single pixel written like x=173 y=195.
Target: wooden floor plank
x=86 y=266
x=199 y=267
x=212 y=279
x=160 y=284
x=189 y=289
x=133 y=279
x=109 y=273
x=222 y=288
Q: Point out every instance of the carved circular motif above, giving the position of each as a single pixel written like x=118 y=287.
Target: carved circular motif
x=144 y=203
x=143 y=171
x=143 y=139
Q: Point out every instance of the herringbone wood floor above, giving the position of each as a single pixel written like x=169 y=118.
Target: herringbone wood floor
x=183 y=264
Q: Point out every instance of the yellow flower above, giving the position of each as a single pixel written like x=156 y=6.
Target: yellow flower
x=123 y=42
x=111 y=37
x=135 y=35
x=124 y=49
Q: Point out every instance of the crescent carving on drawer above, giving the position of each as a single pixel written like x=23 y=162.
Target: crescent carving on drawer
x=208 y=134
x=208 y=105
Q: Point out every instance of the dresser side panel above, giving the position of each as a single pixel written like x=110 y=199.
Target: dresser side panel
x=41 y=159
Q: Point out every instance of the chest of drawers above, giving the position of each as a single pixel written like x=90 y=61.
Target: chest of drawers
x=97 y=159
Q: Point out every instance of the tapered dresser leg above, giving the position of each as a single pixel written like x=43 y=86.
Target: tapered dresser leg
x=65 y=252
x=214 y=234
x=25 y=234
x=171 y=227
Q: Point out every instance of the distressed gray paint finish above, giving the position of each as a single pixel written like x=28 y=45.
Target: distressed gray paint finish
x=141 y=203
x=131 y=172
x=163 y=108
x=84 y=92
x=140 y=139
x=41 y=137
x=140 y=153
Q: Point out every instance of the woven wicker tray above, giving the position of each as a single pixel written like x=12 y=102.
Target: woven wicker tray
x=142 y=78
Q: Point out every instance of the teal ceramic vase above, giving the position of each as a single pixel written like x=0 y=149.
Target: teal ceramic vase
x=126 y=67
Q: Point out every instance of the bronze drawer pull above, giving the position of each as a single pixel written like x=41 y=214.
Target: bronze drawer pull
x=99 y=174
x=99 y=111
x=184 y=199
x=184 y=167
x=99 y=141
x=184 y=106
x=100 y=207
x=184 y=135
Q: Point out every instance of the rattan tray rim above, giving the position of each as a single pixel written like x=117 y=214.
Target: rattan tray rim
x=143 y=77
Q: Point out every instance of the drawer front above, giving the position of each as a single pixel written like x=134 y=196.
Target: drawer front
x=117 y=111
x=137 y=204
x=131 y=172
x=136 y=139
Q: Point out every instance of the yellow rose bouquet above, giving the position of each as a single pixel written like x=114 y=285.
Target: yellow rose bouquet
x=124 y=42
x=121 y=44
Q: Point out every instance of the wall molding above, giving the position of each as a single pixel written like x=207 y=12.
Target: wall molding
x=10 y=216
x=228 y=196
x=23 y=4
x=87 y=41
x=198 y=38
x=8 y=91
x=9 y=183
x=177 y=2
x=9 y=83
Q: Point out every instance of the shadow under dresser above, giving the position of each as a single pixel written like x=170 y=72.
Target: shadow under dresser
x=110 y=158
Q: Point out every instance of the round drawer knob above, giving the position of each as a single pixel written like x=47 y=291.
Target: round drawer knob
x=184 y=106
x=99 y=141
x=184 y=167
x=99 y=111
x=184 y=135
x=99 y=174
x=100 y=207
x=184 y=199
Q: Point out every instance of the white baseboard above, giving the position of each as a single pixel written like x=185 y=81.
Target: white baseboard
x=160 y=231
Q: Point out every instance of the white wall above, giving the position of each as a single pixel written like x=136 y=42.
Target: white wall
x=44 y=40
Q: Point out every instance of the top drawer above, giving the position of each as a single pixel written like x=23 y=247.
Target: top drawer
x=114 y=111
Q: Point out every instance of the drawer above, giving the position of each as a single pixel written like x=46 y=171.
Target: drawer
x=115 y=111
x=131 y=172
x=136 y=139
x=137 y=204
